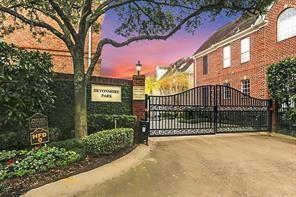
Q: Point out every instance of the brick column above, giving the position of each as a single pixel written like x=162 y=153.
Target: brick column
x=138 y=101
x=275 y=116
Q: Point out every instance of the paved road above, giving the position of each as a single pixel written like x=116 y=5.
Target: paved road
x=208 y=166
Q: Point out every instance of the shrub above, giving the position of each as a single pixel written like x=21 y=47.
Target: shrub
x=282 y=87
x=25 y=91
x=40 y=160
x=100 y=122
x=14 y=140
x=75 y=145
x=55 y=134
x=109 y=141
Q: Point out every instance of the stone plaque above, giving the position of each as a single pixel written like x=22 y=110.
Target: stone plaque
x=39 y=136
x=104 y=93
x=38 y=121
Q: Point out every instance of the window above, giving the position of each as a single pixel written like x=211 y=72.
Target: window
x=226 y=91
x=205 y=65
x=226 y=57
x=245 y=87
x=245 y=50
x=286 y=24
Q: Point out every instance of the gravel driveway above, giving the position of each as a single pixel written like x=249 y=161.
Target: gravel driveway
x=221 y=165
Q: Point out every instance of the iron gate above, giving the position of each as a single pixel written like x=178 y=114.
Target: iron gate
x=207 y=110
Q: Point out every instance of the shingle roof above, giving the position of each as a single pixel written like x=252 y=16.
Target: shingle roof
x=181 y=66
x=230 y=29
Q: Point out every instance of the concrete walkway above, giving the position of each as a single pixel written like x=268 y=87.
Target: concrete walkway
x=90 y=180
x=203 y=166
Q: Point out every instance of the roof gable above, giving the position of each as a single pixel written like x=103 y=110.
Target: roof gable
x=229 y=30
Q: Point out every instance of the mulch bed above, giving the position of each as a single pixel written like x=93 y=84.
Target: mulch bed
x=19 y=186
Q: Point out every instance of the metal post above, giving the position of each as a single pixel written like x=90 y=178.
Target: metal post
x=215 y=109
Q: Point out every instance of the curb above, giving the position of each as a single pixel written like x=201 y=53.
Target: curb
x=74 y=185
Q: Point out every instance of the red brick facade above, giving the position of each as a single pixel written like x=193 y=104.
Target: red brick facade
x=62 y=59
x=264 y=50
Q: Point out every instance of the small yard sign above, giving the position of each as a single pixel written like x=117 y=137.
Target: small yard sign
x=38 y=121
x=104 y=93
x=39 y=136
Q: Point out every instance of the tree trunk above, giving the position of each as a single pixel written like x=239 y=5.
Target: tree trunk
x=80 y=98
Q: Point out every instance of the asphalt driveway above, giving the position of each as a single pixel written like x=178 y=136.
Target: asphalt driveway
x=221 y=165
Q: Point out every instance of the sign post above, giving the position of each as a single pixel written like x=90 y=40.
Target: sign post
x=38 y=126
x=39 y=136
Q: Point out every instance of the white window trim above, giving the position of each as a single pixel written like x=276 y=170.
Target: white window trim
x=284 y=25
x=246 y=52
x=226 y=60
x=242 y=86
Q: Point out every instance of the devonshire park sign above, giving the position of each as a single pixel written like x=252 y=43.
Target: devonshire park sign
x=104 y=93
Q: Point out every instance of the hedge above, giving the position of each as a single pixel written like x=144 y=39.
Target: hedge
x=100 y=122
x=21 y=139
x=108 y=141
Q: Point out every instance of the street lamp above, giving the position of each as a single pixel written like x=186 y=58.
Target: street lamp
x=138 y=67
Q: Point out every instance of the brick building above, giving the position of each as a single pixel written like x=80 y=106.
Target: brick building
x=61 y=57
x=239 y=53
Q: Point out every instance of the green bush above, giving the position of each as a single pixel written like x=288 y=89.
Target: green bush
x=100 y=122
x=109 y=141
x=24 y=86
x=14 y=140
x=55 y=134
x=34 y=161
x=75 y=145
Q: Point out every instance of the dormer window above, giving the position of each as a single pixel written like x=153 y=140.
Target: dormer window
x=286 y=27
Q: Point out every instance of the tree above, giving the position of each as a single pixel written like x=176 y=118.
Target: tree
x=19 y=100
x=151 y=85
x=174 y=83
x=281 y=79
x=140 y=20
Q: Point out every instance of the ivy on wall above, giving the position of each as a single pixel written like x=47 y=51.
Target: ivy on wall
x=62 y=116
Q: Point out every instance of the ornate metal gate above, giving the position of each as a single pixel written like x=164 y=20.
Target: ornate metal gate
x=207 y=110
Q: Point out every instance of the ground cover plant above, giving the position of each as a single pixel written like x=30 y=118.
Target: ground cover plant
x=22 y=170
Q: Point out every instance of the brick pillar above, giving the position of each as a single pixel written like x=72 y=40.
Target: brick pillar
x=275 y=116
x=138 y=101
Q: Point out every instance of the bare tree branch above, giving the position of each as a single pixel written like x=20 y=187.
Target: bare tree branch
x=114 y=43
x=34 y=22
x=65 y=18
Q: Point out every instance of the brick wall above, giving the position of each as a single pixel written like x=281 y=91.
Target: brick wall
x=265 y=50
x=50 y=43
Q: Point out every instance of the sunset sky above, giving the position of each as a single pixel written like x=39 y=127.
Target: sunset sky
x=120 y=62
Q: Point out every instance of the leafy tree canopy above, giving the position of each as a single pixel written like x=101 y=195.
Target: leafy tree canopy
x=281 y=78
x=24 y=86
